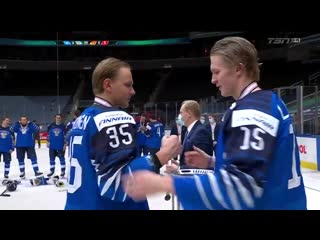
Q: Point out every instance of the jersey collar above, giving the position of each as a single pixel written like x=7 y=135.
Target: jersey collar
x=101 y=101
x=250 y=88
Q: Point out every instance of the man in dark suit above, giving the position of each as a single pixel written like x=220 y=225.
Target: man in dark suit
x=197 y=133
x=213 y=127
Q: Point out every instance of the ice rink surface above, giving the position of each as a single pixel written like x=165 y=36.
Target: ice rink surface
x=50 y=197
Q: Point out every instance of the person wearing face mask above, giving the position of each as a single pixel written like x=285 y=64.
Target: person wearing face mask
x=202 y=119
x=196 y=134
x=213 y=128
x=180 y=130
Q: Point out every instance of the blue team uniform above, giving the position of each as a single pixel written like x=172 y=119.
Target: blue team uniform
x=257 y=161
x=56 y=140
x=141 y=140
x=102 y=149
x=6 y=145
x=25 y=144
x=155 y=133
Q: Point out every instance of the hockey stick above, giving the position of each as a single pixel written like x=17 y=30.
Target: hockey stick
x=4 y=194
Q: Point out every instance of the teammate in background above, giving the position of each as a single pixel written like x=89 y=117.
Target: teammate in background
x=56 y=144
x=257 y=163
x=25 y=144
x=103 y=144
x=141 y=137
x=154 y=133
x=6 y=144
x=37 y=134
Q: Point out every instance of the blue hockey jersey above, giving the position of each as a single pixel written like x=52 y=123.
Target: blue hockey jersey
x=6 y=139
x=257 y=161
x=155 y=132
x=25 y=134
x=56 y=136
x=102 y=148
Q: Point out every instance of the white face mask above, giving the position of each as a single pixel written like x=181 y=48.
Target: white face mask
x=202 y=121
x=211 y=120
x=180 y=121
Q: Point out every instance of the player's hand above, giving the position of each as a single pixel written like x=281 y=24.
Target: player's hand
x=170 y=148
x=171 y=168
x=197 y=158
x=142 y=183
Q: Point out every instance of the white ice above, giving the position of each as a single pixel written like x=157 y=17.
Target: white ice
x=50 y=197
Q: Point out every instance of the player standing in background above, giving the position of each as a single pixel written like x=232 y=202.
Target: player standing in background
x=154 y=132
x=103 y=144
x=25 y=144
x=257 y=163
x=141 y=137
x=6 y=144
x=56 y=144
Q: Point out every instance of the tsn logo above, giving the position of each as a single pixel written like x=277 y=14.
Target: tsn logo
x=281 y=41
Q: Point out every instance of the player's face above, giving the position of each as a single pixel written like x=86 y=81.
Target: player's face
x=184 y=115
x=122 y=88
x=23 y=121
x=58 y=119
x=223 y=76
x=6 y=122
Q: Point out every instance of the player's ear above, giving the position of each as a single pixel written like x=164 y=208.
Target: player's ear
x=240 y=68
x=106 y=84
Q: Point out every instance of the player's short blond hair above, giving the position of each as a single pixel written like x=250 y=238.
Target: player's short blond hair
x=235 y=50
x=107 y=68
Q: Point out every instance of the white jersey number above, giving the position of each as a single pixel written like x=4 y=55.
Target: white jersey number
x=76 y=181
x=258 y=144
x=126 y=137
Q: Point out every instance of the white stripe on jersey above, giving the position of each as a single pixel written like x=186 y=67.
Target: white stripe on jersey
x=283 y=117
x=216 y=191
x=100 y=176
x=110 y=180
x=291 y=129
x=257 y=191
x=244 y=193
x=202 y=193
x=117 y=183
x=131 y=175
x=230 y=189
